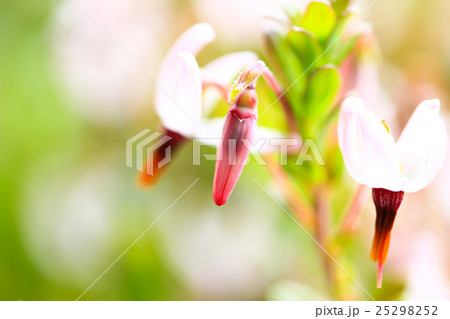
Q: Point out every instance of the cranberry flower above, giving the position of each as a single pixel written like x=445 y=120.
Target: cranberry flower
x=179 y=92
x=178 y=95
x=373 y=158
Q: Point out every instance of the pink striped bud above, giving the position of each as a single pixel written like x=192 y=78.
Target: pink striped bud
x=233 y=150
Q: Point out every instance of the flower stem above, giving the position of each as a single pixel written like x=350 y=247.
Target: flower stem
x=276 y=87
x=313 y=218
x=302 y=210
x=349 y=222
x=322 y=229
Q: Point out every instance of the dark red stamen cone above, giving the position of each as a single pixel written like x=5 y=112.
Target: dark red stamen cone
x=151 y=172
x=386 y=203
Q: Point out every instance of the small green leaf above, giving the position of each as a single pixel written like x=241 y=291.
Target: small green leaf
x=305 y=46
x=339 y=6
x=283 y=59
x=274 y=116
x=322 y=91
x=341 y=43
x=319 y=19
x=343 y=49
x=282 y=56
x=342 y=26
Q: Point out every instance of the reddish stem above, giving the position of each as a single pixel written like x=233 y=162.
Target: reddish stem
x=223 y=90
x=348 y=225
x=322 y=229
x=303 y=211
x=276 y=87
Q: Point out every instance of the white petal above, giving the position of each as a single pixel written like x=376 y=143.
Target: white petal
x=178 y=97
x=209 y=131
x=169 y=89
x=225 y=69
x=422 y=146
x=369 y=151
x=193 y=40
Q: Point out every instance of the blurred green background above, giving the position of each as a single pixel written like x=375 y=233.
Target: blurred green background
x=69 y=100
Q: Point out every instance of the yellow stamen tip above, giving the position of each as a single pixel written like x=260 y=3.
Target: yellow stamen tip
x=386 y=126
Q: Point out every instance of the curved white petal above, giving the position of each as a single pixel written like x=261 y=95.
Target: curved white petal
x=226 y=68
x=178 y=97
x=179 y=77
x=192 y=40
x=209 y=131
x=422 y=146
x=369 y=151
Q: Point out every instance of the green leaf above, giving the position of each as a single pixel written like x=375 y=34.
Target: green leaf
x=305 y=46
x=285 y=61
x=341 y=44
x=322 y=91
x=342 y=26
x=343 y=49
x=319 y=19
x=274 y=117
x=339 y=6
x=282 y=56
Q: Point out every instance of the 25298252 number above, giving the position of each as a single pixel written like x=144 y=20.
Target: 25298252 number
x=406 y=310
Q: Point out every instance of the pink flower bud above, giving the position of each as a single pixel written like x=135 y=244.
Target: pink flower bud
x=233 y=150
